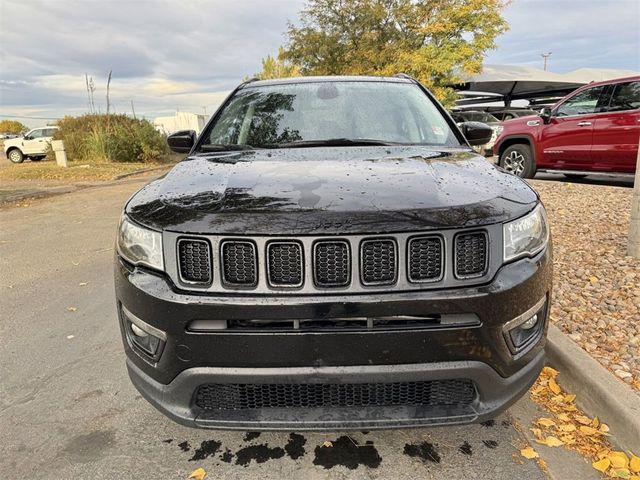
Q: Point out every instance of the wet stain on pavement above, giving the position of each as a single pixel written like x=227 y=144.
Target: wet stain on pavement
x=250 y=436
x=207 y=448
x=259 y=453
x=89 y=447
x=227 y=456
x=488 y=423
x=506 y=423
x=465 y=449
x=345 y=452
x=168 y=440
x=490 y=443
x=425 y=451
x=295 y=446
x=184 y=446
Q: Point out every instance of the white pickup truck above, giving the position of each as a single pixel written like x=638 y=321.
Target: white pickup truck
x=33 y=145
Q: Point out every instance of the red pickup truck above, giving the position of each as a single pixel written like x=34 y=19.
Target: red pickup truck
x=594 y=129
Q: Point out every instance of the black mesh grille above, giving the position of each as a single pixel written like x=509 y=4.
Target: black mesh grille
x=194 y=257
x=331 y=264
x=239 y=263
x=247 y=396
x=378 y=262
x=471 y=254
x=425 y=259
x=285 y=264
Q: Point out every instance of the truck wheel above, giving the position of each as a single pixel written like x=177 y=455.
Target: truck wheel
x=517 y=159
x=15 y=156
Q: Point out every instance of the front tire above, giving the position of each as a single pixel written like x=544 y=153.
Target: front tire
x=15 y=156
x=518 y=159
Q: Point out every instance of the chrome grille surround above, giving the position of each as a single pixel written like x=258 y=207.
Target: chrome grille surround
x=449 y=276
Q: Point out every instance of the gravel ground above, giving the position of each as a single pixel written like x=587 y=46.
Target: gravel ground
x=596 y=297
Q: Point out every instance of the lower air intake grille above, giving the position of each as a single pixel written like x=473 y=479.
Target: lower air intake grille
x=378 y=262
x=248 y=396
x=239 y=263
x=425 y=259
x=195 y=261
x=471 y=254
x=331 y=265
x=285 y=264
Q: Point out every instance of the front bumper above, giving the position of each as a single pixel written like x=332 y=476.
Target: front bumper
x=479 y=352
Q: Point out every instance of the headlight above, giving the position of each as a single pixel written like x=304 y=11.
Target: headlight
x=139 y=245
x=527 y=235
x=498 y=130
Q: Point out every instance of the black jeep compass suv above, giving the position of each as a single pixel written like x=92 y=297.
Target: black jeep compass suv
x=333 y=255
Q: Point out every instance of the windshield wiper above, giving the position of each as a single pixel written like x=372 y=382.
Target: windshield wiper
x=224 y=147
x=334 y=142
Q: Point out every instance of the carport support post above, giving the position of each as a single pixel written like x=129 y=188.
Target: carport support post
x=61 y=154
x=634 y=224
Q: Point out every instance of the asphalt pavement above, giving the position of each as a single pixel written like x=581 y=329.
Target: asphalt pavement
x=68 y=410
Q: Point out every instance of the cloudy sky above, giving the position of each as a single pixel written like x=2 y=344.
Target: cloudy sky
x=176 y=54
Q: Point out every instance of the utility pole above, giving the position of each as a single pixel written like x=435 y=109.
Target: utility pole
x=634 y=222
x=133 y=109
x=545 y=56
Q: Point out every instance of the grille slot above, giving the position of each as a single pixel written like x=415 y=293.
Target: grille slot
x=285 y=264
x=194 y=257
x=331 y=264
x=378 y=262
x=239 y=263
x=250 y=396
x=425 y=259
x=470 y=254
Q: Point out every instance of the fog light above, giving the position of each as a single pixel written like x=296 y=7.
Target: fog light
x=525 y=329
x=529 y=324
x=142 y=335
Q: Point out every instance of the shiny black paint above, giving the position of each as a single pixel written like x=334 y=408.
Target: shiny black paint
x=333 y=190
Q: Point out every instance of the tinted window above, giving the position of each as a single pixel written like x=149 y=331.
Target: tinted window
x=35 y=133
x=583 y=103
x=626 y=96
x=479 y=117
x=265 y=116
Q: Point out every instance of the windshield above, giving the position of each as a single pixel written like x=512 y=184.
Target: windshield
x=305 y=113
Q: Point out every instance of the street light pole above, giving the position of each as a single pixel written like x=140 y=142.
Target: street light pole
x=545 y=56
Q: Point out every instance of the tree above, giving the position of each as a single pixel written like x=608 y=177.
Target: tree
x=12 y=126
x=436 y=41
x=277 y=67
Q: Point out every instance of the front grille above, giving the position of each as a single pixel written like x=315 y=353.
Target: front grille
x=425 y=259
x=470 y=254
x=250 y=396
x=285 y=264
x=378 y=262
x=239 y=263
x=331 y=264
x=194 y=257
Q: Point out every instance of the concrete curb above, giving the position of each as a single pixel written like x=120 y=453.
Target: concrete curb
x=598 y=391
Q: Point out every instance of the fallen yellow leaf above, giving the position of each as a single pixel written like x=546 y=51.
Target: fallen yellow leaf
x=568 y=427
x=529 y=453
x=551 y=441
x=563 y=416
x=551 y=372
x=570 y=398
x=588 y=430
x=621 y=473
x=593 y=280
x=327 y=444
x=601 y=465
x=554 y=387
x=618 y=459
x=604 y=427
x=536 y=433
x=583 y=420
x=546 y=422
x=634 y=464
x=198 y=474
x=595 y=422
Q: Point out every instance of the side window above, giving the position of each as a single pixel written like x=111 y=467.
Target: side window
x=35 y=133
x=584 y=103
x=626 y=96
x=49 y=132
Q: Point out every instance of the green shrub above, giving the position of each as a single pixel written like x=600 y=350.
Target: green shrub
x=111 y=138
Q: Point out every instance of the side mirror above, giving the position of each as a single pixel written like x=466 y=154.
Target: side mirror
x=545 y=115
x=27 y=137
x=182 y=141
x=476 y=133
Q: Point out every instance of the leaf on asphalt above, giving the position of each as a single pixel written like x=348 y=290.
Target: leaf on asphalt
x=570 y=398
x=69 y=337
x=595 y=422
x=550 y=372
x=567 y=427
x=327 y=444
x=197 y=474
x=593 y=280
x=72 y=309
x=536 y=433
x=634 y=464
x=546 y=422
x=529 y=453
x=621 y=473
x=564 y=417
x=583 y=420
x=604 y=428
x=551 y=441
x=83 y=284
x=554 y=387
x=601 y=465
x=618 y=459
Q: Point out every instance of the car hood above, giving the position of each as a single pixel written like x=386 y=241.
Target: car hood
x=330 y=190
x=13 y=142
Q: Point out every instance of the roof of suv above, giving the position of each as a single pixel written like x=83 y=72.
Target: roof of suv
x=330 y=78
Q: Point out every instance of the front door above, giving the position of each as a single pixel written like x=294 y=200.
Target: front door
x=36 y=143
